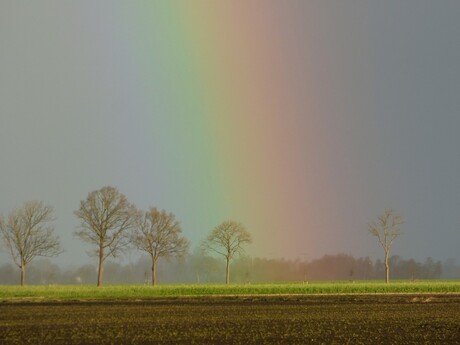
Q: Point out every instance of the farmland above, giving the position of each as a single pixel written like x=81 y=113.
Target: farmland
x=346 y=312
x=330 y=319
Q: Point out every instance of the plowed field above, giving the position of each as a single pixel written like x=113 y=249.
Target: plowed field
x=352 y=319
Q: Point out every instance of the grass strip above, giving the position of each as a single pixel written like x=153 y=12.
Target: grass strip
x=87 y=292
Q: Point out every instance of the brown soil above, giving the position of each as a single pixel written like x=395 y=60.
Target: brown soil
x=353 y=319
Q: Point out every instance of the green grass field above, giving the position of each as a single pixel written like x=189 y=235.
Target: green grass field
x=86 y=292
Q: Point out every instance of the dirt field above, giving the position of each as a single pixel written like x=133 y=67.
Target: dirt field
x=353 y=319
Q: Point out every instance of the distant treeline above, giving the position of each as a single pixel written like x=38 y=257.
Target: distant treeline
x=197 y=268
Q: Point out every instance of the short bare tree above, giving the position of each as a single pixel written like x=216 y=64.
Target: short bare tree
x=28 y=233
x=106 y=218
x=227 y=239
x=159 y=234
x=386 y=229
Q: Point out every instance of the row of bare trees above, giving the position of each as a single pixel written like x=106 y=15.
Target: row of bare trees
x=111 y=224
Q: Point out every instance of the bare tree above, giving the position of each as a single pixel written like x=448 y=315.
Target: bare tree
x=227 y=239
x=159 y=234
x=27 y=233
x=106 y=218
x=386 y=229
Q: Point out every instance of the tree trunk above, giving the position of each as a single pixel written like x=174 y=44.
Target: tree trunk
x=23 y=274
x=154 y=271
x=101 y=266
x=387 y=269
x=227 y=272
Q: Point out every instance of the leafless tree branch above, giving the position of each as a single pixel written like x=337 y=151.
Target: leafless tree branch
x=227 y=239
x=386 y=229
x=28 y=233
x=106 y=217
x=159 y=234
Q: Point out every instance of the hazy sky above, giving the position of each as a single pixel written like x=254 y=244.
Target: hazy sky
x=303 y=119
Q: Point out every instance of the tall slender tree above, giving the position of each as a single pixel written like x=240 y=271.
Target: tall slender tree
x=386 y=229
x=28 y=233
x=159 y=234
x=227 y=239
x=106 y=217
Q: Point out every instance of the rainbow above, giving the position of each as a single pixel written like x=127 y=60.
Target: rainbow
x=234 y=118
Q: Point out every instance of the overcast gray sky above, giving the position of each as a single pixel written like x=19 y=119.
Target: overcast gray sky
x=365 y=97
